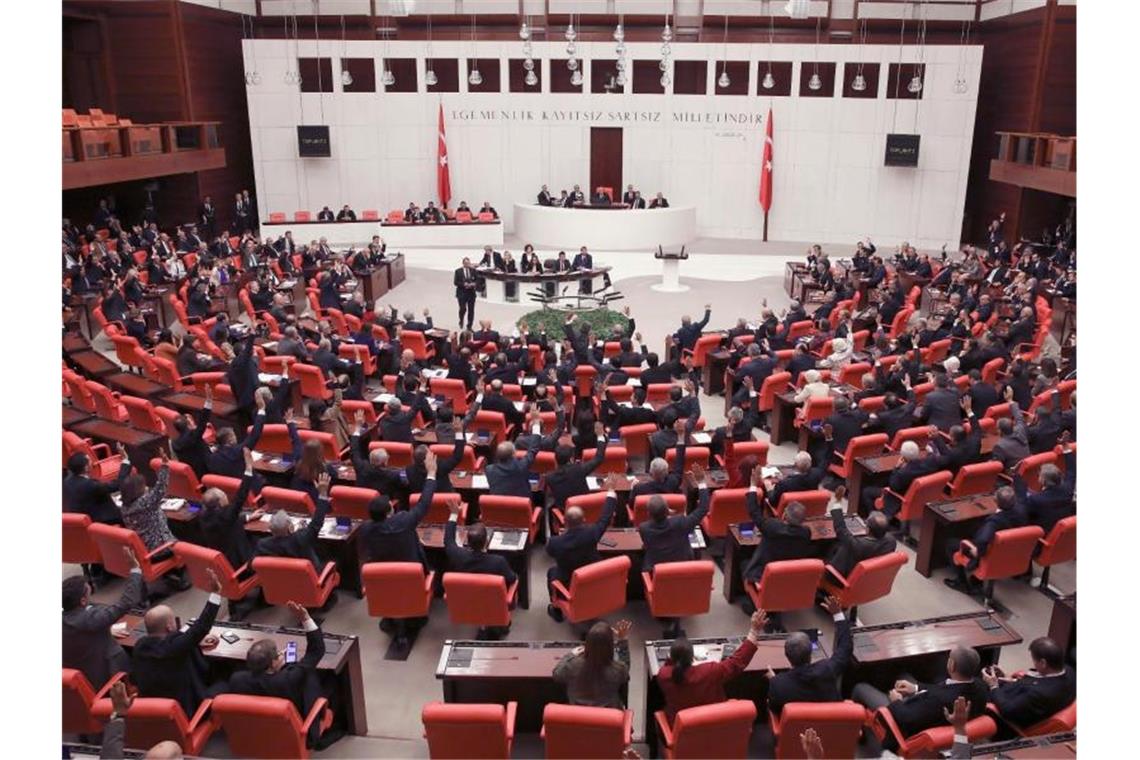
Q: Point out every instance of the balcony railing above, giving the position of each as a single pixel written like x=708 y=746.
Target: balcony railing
x=1039 y=161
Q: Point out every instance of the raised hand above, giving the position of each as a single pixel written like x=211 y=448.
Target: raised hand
x=323 y=483
x=431 y=463
x=832 y=605
x=700 y=475
x=129 y=553
x=121 y=699
x=812 y=744
x=621 y=630
x=215 y=584
x=298 y=611
x=959 y=716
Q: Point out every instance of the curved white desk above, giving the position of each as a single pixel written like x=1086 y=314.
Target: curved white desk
x=605 y=229
x=472 y=235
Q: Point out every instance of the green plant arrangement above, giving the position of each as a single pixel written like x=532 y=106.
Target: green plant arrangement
x=551 y=320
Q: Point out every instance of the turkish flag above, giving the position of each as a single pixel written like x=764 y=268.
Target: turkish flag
x=443 y=171
x=766 y=168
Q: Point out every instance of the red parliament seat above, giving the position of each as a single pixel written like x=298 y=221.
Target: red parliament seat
x=103 y=468
x=977 y=478
x=274 y=498
x=228 y=486
x=440 y=510
x=78 y=548
x=183 y=482
x=1063 y=721
x=635 y=438
x=397 y=590
x=266 y=727
x=838 y=724
x=575 y=731
x=1009 y=555
x=284 y=579
x=453 y=390
x=679 y=589
x=932 y=741
x=727 y=506
x=198 y=560
x=591 y=505
x=479 y=599
x=815 y=502
x=921 y=492
x=399 y=454
x=869 y=580
x=595 y=590
x=469 y=731
x=774 y=385
x=858 y=447
x=1057 y=547
x=921 y=436
x=112 y=539
x=141 y=414
x=693 y=455
x=78 y=699
x=153 y=720
x=615 y=460
x=787 y=585
x=276 y=217
x=639 y=511
x=510 y=512
x=420 y=346
x=720 y=730
x=351 y=501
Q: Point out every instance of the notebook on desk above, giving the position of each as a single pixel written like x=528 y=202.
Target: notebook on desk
x=507 y=540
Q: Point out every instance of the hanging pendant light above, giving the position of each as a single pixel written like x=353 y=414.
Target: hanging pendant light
x=667 y=31
x=666 y=49
x=619 y=64
x=619 y=32
x=475 y=78
x=571 y=35
x=346 y=77
x=531 y=78
x=524 y=31
x=859 y=83
x=663 y=65
x=571 y=48
x=815 y=82
x=665 y=80
x=723 y=81
x=915 y=85
x=620 y=49
x=572 y=64
x=576 y=78
x=769 y=81
x=388 y=78
x=620 y=79
x=430 y=79
x=528 y=64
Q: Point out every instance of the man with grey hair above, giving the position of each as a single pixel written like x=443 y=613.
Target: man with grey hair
x=916 y=707
x=912 y=465
x=292 y=345
x=805 y=477
x=686 y=336
x=661 y=478
x=510 y=475
x=1013 y=438
x=965 y=555
x=396 y=424
x=371 y=467
x=577 y=544
x=284 y=540
x=1054 y=502
x=809 y=681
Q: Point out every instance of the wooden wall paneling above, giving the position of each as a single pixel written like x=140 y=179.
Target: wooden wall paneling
x=144 y=64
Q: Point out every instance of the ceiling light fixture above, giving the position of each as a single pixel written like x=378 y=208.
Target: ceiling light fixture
x=474 y=77
x=769 y=81
x=723 y=80
x=430 y=79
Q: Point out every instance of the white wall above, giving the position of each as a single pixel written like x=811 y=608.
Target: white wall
x=830 y=182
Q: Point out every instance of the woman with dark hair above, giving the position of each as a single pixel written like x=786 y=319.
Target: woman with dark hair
x=309 y=463
x=590 y=673
x=687 y=685
x=142 y=506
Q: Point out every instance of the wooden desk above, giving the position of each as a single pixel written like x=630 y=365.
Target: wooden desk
x=93 y=364
x=866 y=468
x=920 y=647
x=474 y=672
x=943 y=521
x=135 y=385
x=373 y=282
x=339 y=669
x=1050 y=747
x=1063 y=626
x=141 y=445
x=617 y=542
x=191 y=403
x=73 y=416
x=751 y=684
x=781 y=420
x=397 y=270
x=431 y=536
x=738 y=549
x=74 y=342
x=712 y=373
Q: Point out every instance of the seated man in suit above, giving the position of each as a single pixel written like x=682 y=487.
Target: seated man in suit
x=659 y=202
x=284 y=540
x=390 y=535
x=783 y=539
x=83 y=493
x=1054 y=502
x=666 y=537
x=637 y=201
x=87 y=642
x=911 y=466
x=544 y=197
x=600 y=198
x=577 y=544
x=1034 y=695
x=489 y=209
x=268 y=675
x=396 y=423
x=167 y=662
x=940 y=408
x=473 y=558
x=850 y=550
x=346 y=214
x=371 y=467
x=1013 y=442
x=916 y=708
x=805 y=478
x=662 y=479
x=492 y=259
x=577 y=196
x=1008 y=515
x=809 y=681
x=325 y=215
x=510 y=475
x=569 y=479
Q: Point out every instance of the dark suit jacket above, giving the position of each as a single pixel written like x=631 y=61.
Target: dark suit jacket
x=300 y=544
x=816 y=681
x=687 y=334
x=902 y=477
x=577 y=547
x=189 y=446
x=1032 y=699
x=87 y=642
x=461 y=291
x=224 y=529
x=1050 y=505
x=850 y=550
x=668 y=540
x=296 y=681
x=386 y=480
x=846 y=426
x=671 y=482
x=926 y=709
x=982 y=397
x=461 y=559
x=394 y=539
x=941 y=409
x=512 y=478
x=92 y=497
x=397 y=427
x=172 y=666
x=570 y=480
x=780 y=540
x=797 y=481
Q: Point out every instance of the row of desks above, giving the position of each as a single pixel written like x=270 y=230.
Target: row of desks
x=339 y=670
x=474 y=671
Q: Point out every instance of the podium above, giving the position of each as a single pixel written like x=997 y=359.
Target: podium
x=670 y=271
x=374 y=280
x=396 y=273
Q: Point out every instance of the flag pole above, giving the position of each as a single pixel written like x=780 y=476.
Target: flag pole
x=765 y=227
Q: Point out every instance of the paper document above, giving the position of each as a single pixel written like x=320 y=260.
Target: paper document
x=593 y=482
x=172 y=505
x=479 y=481
x=701 y=438
x=509 y=540
x=769 y=471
